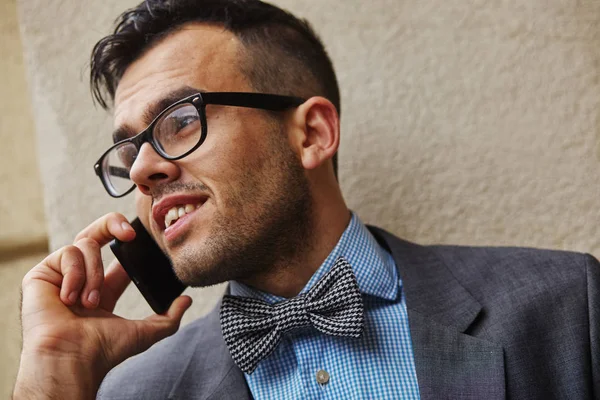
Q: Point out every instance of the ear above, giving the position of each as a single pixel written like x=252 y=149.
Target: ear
x=318 y=136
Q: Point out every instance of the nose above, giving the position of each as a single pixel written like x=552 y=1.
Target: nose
x=150 y=170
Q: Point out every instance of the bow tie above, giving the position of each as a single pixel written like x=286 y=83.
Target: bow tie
x=253 y=328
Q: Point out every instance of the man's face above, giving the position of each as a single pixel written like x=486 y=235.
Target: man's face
x=247 y=197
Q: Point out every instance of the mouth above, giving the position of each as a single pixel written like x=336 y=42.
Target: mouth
x=173 y=209
x=177 y=212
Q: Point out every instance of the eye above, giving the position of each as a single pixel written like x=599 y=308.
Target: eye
x=183 y=126
x=181 y=121
x=185 y=121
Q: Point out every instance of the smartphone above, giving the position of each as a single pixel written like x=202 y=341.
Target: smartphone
x=149 y=268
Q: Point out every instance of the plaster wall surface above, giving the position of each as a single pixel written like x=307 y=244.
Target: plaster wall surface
x=463 y=122
x=23 y=239
x=468 y=122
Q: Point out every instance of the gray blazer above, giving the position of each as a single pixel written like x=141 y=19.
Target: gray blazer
x=486 y=323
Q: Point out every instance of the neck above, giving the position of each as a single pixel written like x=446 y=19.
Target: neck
x=288 y=277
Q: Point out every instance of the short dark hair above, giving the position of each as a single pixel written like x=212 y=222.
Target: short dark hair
x=283 y=54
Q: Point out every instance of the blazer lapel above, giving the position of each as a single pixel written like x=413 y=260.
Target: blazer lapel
x=449 y=362
x=210 y=373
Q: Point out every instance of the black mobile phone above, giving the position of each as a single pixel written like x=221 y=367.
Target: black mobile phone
x=149 y=268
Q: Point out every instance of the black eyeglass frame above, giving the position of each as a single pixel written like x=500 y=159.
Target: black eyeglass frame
x=262 y=101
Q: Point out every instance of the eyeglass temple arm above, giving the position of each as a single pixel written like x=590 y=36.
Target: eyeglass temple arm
x=272 y=102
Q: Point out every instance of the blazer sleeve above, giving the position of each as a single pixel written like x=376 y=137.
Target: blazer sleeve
x=593 y=289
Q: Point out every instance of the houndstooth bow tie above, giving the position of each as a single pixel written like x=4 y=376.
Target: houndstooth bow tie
x=253 y=328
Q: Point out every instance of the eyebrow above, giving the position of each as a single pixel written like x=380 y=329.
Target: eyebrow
x=154 y=109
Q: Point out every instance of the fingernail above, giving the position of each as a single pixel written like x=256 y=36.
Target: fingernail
x=73 y=297
x=94 y=297
x=126 y=226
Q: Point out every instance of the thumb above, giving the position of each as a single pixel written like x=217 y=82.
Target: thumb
x=159 y=326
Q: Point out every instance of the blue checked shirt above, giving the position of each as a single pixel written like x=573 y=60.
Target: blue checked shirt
x=379 y=365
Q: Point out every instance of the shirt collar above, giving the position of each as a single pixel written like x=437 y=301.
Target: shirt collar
x=373 y=266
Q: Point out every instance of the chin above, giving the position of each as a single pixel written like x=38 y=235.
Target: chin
x=198 y=276
x=195 y=265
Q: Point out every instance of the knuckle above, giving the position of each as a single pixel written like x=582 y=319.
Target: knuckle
x=70 y=249
x=72 y=261
x=37 y=273
x=172 y=327
x=27 y=278
x=82 y=234
x=73 y=253
x=113 y=216
x=88 y=243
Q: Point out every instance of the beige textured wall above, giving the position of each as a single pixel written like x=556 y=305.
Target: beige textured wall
x=471 y=122
x=463 y=122
x=23 y=241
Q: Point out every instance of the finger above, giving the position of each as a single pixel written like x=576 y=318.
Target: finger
x=106 y=228
x=137 y=336
x=176 y=310
x=69 y=262
x=159 y=326
x=116 y=281
x=94 y=272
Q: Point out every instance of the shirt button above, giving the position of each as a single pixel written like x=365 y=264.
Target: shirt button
x=322 y=377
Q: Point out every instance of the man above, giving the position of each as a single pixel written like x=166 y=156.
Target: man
x=226 y=126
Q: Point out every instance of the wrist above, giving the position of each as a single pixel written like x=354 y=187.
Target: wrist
x=50 y=376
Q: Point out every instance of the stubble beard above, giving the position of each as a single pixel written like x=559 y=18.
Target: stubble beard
x=270 y=227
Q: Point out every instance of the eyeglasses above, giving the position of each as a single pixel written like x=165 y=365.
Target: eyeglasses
x=176 y=132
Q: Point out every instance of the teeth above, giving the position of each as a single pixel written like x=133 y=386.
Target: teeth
x=171 y=216
x=177 y=212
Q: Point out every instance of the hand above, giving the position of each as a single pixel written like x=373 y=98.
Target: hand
x=71 y=338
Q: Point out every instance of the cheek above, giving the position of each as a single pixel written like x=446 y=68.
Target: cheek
x=228 y=150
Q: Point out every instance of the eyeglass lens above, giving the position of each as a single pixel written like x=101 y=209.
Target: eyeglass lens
x=175 y=133
x=116 y=166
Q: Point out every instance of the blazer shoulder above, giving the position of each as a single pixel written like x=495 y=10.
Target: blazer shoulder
x=499 y=266
x=153 y=373
x=519 y=263
x=522 y=280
